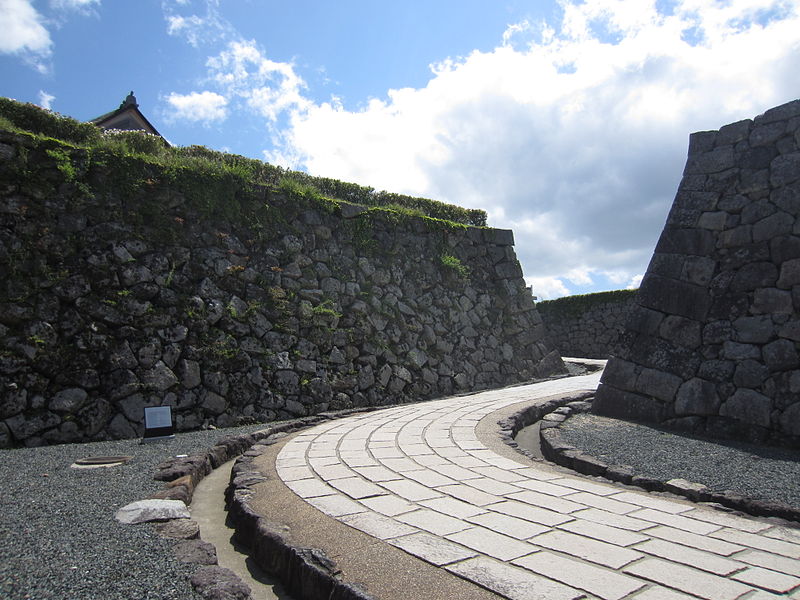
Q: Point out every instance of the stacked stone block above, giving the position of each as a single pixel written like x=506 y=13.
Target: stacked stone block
x=104 y=312
x=590 y=329
x=712 y=345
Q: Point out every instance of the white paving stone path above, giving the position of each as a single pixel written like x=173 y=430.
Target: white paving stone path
x=417 y=477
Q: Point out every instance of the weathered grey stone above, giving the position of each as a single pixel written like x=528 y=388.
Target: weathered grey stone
x=196 y=551
x=178 y=529
x=143 y=511
x=790 y=420
x=681 y=331
x=750 y=374
x=160 y=377
x=748 y=406
x=790 y=274
x=216 y=404
x=785 y=169
x=189 y=371
x=772 y=301
x=69 y=400
x=753 y=330
x=217 y=583
x=23 y=427
x=657 y=384
x=697 y=397
x=781 y=355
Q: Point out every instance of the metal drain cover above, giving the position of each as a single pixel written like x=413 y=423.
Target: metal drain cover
x=92 y=462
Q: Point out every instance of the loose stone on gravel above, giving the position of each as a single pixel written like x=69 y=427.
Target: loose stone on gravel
x=143 y=511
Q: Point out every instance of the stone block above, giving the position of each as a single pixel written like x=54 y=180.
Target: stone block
x=785 y=169
x=781 y=355
x=753 y=330
x=691 y=242
x=675 y=297
x=681 y=331
x=748 y=406
x=713 y=161
x=753 y=275
x=612 y=402
x=697 y=397
x=772 y=301
x=750 y=374
x=657 y=384
x=620 y=374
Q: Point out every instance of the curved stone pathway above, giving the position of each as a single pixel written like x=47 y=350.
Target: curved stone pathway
x=418 y=478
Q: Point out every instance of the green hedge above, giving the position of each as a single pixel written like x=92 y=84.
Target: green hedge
x=574 y=306
x=31 y=118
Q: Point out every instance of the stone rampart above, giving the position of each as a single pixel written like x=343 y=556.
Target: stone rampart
x=712 y=345
x=121 y=291
x=586 y=326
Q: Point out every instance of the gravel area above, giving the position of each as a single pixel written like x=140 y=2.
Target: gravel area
x=58 y=535
x=751 y=471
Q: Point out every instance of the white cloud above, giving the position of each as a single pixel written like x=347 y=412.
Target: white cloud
x=547 y=288
x=201 y=107
x=81 y=6
x=45 y=99
x=197 y=29
x=573 y=134
x=268 y=87
x=23 y=30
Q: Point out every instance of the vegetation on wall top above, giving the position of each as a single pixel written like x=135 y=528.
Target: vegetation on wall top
x=577 y=305
x=28 y=118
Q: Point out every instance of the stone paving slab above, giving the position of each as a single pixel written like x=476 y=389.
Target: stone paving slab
x=419 y=478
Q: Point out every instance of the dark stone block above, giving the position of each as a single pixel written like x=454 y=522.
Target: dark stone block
x=697 y=242
x=611 y=402
x=755 y=275
x=644 y=320
x=675 y=297
x=697 y=397
x=701 y=141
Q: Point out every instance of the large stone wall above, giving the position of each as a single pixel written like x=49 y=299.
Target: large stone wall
x=712 y=346
x=120 y=294
x=586 y=326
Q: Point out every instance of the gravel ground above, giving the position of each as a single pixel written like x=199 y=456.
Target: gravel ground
x=752 y=471
x=58 y=535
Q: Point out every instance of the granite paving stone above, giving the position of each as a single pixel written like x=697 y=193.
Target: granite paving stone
x=496 y=545
x=421 y=479
x=511 y=526
x=451 y=506
x=433 y=521
x=604 y=533
x=686 y=579
x=772 y=581
x=693 y=540
x=512 y=582
x=587 y=548
x=676 y=521
x=606 y=584
x=758 y=541
x=773 y=562
x=432 y=548
x=705 y=561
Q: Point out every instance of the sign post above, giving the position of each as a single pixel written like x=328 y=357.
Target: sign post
x=158 y=423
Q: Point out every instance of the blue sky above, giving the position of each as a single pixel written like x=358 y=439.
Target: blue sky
x=566 y=120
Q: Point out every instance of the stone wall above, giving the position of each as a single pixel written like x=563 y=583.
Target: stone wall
x=712 y=346
x=122 y=292
x=586 y=326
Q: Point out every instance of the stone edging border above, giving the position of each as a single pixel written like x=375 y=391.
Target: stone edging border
x=553 y=413
x=305 y=572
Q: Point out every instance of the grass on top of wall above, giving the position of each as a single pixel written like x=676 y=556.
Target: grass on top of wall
x=574 y=306
x=117 y=146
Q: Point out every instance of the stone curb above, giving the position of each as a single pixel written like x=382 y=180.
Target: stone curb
x=305 y=572
x=556 y=450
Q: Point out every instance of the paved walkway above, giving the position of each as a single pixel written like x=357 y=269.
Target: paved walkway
x=418 y=478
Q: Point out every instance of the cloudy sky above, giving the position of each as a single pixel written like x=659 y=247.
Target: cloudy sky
x=565 y=120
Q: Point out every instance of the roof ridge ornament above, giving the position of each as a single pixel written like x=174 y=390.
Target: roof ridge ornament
x=130 y=100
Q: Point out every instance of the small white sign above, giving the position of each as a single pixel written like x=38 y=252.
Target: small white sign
x=157 y=417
